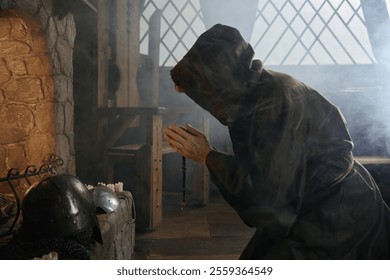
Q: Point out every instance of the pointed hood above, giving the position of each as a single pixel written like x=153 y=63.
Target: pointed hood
x=217 y=71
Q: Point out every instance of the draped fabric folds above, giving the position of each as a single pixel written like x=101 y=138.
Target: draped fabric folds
x=292 y=175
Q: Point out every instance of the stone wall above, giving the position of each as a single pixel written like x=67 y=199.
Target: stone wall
x=36 y=85
x=118 y=231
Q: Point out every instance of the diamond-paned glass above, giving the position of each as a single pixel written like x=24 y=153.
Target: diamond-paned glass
x=286 y=32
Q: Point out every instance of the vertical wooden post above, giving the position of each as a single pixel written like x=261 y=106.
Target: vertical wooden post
x=103 y=31
x=133 y=19
x=154 y=55
x=127 y=51
x=149 y=172
x=122 y=51
x=125 y=24
x=155 y=144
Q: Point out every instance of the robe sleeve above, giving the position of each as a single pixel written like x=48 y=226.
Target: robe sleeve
x=265 y=178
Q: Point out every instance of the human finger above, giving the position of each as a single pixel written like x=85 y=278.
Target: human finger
x=177 y=146
x=180 y=131
x=192 y=130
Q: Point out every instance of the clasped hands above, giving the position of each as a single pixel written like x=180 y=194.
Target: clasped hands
x=188 y=141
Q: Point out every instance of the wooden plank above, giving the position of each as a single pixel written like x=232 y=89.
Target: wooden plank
x=327 y=78
x=184 y=110
x=102 y=27
x=154 y=55
x=365 y=160
x=212 y=232
x=155 y=144
x=148 y=191
x=127 y=111
x=133 y=19
x=130 y=149
x=122 y=52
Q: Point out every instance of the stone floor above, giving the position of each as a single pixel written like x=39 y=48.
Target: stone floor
x=212 y=232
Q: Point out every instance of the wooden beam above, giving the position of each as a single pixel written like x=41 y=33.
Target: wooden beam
x=133 y=50
x=155 y=144
x=373 y=160
x=103 y=48
x=128 y=111
x=148 y=190
x=122 y=52
x=154 y=55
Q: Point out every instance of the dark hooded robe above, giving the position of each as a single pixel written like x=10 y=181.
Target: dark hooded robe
x=292 y=175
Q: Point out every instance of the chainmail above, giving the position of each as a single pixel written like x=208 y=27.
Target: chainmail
x=76 y=246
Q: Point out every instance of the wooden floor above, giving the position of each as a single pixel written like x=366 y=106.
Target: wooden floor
x=213 y=232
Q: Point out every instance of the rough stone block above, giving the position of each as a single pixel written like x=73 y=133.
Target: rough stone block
x=5 y=74
x=9 y=48
x=39 y=65
x=5 y=28
x=118 y=231
x=17 y=67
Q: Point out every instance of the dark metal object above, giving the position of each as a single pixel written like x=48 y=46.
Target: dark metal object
x=104 y=198
x=14 y=172
x=60 y=205
x=50 y=162
x=184 y=202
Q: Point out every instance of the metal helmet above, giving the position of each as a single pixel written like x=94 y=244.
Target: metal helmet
x=58 y=206
x=104 y=198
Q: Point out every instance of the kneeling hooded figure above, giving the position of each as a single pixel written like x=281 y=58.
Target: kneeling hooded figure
x=292 y=174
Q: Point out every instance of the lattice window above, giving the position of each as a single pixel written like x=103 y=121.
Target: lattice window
x=286 y=32
x=311 y=32
x=181 y=24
